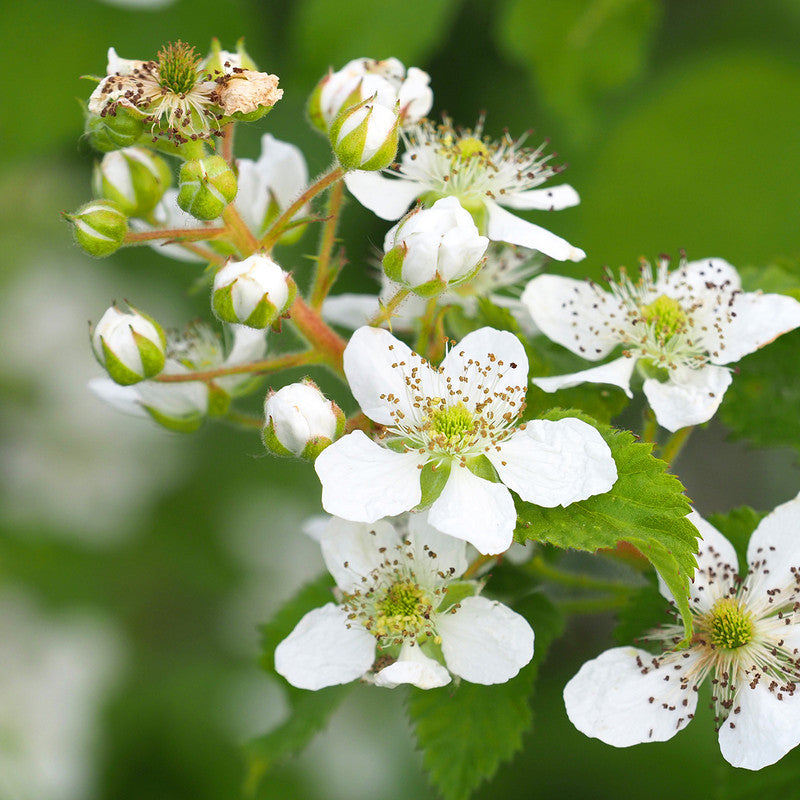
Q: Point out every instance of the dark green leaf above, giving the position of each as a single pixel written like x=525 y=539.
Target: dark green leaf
x=646 y=507
x=466 y=732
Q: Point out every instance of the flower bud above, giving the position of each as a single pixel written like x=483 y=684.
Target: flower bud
x=205 y=187
x=433 y=248
x=301 y=421
x=253 y=292
x=364 y=78
x=365 y=136
x=130 y=345
x=134 y=178
x=99 y=227
x=114 y=131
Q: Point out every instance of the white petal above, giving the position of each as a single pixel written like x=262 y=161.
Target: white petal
x=387 y=198
x=765 y=729
x=484 y=641
x=414 y=667
x=695 y=275
x=577 y=314
x=474 y=509
x=362 y=481
x=611 y=700
x=689 y=397
x=555 y=463
x=551 y=199
x=123 y=398
x=283 y=169
x=435 y=552
x=378 y=367
x=759 y=319
x=350 y=310
x=775 y=544
x=615 y=373
x=249 y=344
x=352 y=550
x=717 y=567
x=503 y=226
x=488 y=358
x=322 y=651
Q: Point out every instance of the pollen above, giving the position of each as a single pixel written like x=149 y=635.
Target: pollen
x=730 y=625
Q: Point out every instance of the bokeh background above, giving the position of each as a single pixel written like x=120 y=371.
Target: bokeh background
x=136 y=565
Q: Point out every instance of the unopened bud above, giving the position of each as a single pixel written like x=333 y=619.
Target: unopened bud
x=99 y=227
x=433 y=248
x=206 y=186
x=114 y=131
x=365 y=136
x=134 y=178
x=130 y=345
x=301 y=421
x=253 y=292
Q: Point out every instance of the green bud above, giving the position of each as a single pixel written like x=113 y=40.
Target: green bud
x=134 y=178
x=115 y=131
x=365 y=136
x=206 y=186
x=99 y=227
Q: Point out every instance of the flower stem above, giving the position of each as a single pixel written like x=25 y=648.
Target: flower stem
x=177 y=235
x=431 y=339
x=477 y=564
x=326 y=274
x=538 y=566
x=386 y=311
x=328 y=345
x=276 y=230
x=246 y=421
x=263 y=367
x=673 y=446
x=242 y=237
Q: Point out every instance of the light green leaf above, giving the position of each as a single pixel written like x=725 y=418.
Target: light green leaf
x=308 y=711
x=466 y=732
x=646 y=507
x=577 y=51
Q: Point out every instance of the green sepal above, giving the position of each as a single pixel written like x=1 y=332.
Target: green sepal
x=219 y=401
x=188 y=424
x=273 y=444
x=152 y=355
x=432 y=479
x=315 y=445
x=431 y=288
x=99 y=227
x=314 y=108
x=116 y=370
x=115 y=131
x=483 y=468
x=456 y=592
x=648 y=369
x=351 y=148
x=205 y=187
x=646 y=507
x=393 y=263
x=386 y=153
x=263 y=315
x=222 y=304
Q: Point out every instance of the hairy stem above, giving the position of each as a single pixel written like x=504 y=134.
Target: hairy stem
x=262 y=367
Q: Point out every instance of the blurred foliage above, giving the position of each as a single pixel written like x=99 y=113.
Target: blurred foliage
x=679 y=121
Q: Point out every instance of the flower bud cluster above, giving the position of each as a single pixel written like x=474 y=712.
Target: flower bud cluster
x=301 y=421
x=433 y=248
x=134 y=178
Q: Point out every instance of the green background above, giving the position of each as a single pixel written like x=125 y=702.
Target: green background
x=151 y=557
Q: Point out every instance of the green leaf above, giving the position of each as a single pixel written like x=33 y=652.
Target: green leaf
x=308 y=711
x=646 y=507
x=577 y=51
x=761 y=404
x=466 y=732
x=737 y=526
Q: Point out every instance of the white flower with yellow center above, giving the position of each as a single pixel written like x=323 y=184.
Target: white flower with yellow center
x=746 y=640
x=678 y=328
x=178 y=94
x=486 y=176
x=404 y=615
x=451 y=440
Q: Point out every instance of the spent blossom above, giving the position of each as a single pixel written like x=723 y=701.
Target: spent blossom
x=451 y=439
x=680 y=329
x=746 y=640
x=404 y=614
x=486 y=176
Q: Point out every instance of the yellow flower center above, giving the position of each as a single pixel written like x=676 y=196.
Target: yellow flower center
x=451 y=424
x=469 y=146
x=730 y=625
x=666 y=317
x=403 y=610
x=177 y=67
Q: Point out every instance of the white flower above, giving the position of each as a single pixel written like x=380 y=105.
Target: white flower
x=485 y=176
x=431 y=248
x=678 y=327
x=182 y=406
x=362 y=78
x=746 y=639
x=178 y=94
x=457 y=422
x=395 y=616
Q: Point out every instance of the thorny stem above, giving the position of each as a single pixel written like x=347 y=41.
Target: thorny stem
x=262 y=367
x=673 y=446
x=538 y=566
x=276 y=230
x=323 y=280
